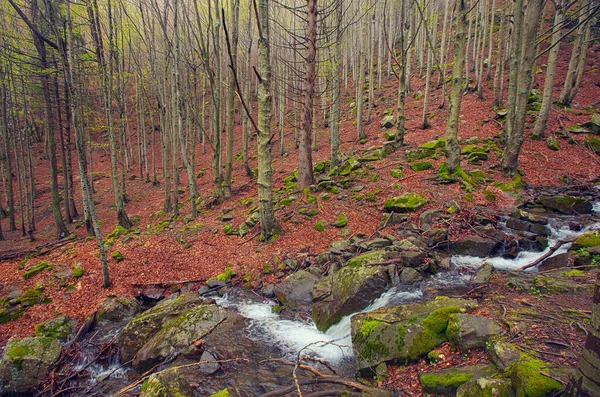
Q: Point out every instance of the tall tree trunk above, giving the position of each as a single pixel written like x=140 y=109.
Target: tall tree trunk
x=65 y=170
x=401 y=119
x=305 y=167
x=6 y=157
x=360 y=84
x=270 y=226
x=499 y=71
x=336 y=88
x=456 y=88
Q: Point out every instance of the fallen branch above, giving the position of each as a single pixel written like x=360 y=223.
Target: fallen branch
x=555 y=247
x=40 y=250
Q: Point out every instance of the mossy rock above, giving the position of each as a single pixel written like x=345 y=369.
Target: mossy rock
x=468 y=331
x=396 y=173
x=26 y=362
x=594 y=124
x=390 y=135
x=593 y=144
x=167 y=383
x=587 y=240
x=403 y=333
x=552 y=143
x=117 y=309
x=220 y=393
x=320 y=226
x=341 y=221
x=447 y=381
x=418 y=154
x=408 y=202
x=432 y=145
x=578 y=129
x=35 y=269
x=388 y=121
x=567 y=204
x=249 y=223
x=117 y=256
x=59 y=328
x=349 y=165
x=527 y=375
x=486 y=387
x=370 y=257
x=422 y=166
x=477 y=157
x=347 y=291
x=469 y=149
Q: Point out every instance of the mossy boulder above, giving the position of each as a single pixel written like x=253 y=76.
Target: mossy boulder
x=530 y=378
x=552 y=143
x=468 y=331
x=370 y=257
x=486 y=387
x=552 y=282
x=408 y=202
x=474 y=245
x=418 y=154
x=341 y=221
x=421 y=166
x=167 y=383
x=594 y=124
x=35 y=269
x=347 y=291
x=249 y=223
x=59 y=328
x=177 y=334
x=567 y=204
x=145 y=325
x=117 y=309
x=390 y=136
x=349 y=165
x=296 y=289
x=403 y=333
x=587 y=240
x=388 y=121
x=432 y=145
x=447 y=381
x=26 y=362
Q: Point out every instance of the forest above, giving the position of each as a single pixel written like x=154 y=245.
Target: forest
x=300 y=198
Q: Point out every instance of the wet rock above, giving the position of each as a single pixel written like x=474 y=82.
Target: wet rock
x=468 y=330
x=268 y=291
x=143 y=327
x=474 y=245
x=179 y=333
x=413 y=258
x=117 y=310
x=25 y=362
x=403 y=333
x=555 y=262
x=408 y=202
x=483 y=274
x=410 y=276
x=167 y=383
x=215 y=284
x=567 y=204
x=447 y=381
x=348 y=291
x=587 y=240
x=436 y=236
x=486 y=387
x=296 y=288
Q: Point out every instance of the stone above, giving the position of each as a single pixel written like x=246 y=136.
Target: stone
x=503 y=354
x=552 y=143
x=371 y=257
x=587 y=240
x=486 y=387
x=296 y=289
x=409 y=275
x=181 y=332
x=567 y=204
x=209 y=364
x=249 y=223
x=377 y=243
x=555 y=262
x=436 y=236
x=446 y=382
x=117 y=310
x=413 y=258
x=347 y=291
x=268 y=291
x=594 y=124
x=143 y=327
x=418 y=154
x=408 y=202
x=530 y=379
x=483 y=274
x=26 y=362
x=388 y=122
x=474 y=245
x=430 y=215
x=468 y=331
x=593 y=144
x=167 y=383
x=14 y=294
x=403 y=333
x=59 y=328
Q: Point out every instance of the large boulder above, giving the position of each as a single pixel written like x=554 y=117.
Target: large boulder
x=167 y=383
x=446 y=382
x=567 y=204
x=408 y=202
x=143 y=327
x=371 y=257
x=530 y=377
x=347 y=291
x=555 y=262
x=177 y=334
x=503 y=354
x=296 y=289
x=474 y=245
x=486 y=387
x=26 y=362
x=117 y=309
x=587 y=240
x=469 y=330
x=403 y=333
x=59 y=328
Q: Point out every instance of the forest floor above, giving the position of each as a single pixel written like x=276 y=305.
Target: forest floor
x=177 y=250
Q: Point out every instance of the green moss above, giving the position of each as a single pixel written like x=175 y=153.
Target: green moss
x=59 y=328
x=16 y=353
x=396 y=173
x=573 y=273
x=220 y=393
x=320 y=226
x=450 y=379
x=153 y=387
x=227 y=274
x=422 y=343
x=432 y=145
x=422 y=166
x=341 y=221
x=528 y=379
x=587 y=240
x=117 y=256
x=35 y=269
x=437 y=321
x=408 y=202
x=370 y=346
x=489 y=195
x=77 y=272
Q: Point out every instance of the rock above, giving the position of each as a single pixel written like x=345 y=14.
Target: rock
x=594 y=124
x=14 y=294
x=403 y=333
x=59 y=328
x=553 y=282
x=468 y=330
x=268 y=291
x=209 y=364
x=296 y=289
x=167 y=383
x=408 y=202
x=486 y=387
x=552 y=143
x=483 y=274
x=340 y=245
x=389 y=146
x=418 y=154
x=25 y=362
x=436 y=236
x=377 y=243
x=143 y=327
x=413 y=258
x=503 y=354
x=348 y=291
x=371 y=257
x=388 y=122
x=117 y=310
x=593 y=144
x=215 y=284
x=191 y=325
x=350 y=165
x=428 y=216
x=587 y=240
x=474 y=245
x=249 y=223
x=526 y=226
x=555 y=262
x=392 y=219
x=410 y=276
x=567 y=204
x=529 y=379
x=447 y=381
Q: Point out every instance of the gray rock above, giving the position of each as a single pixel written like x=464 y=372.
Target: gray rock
x=348 y=291
x=447 y=381
x=167 y=383
x=14 y=294
x=474 y=245
x=555 y=262
x=296 y=288
x=216 y=284
x=567 y=204
x=268 y=291
x=486 y=387
x=377 y=243
x=428 y=216
x=388 y=122
x=26 y=362
x=468 y=330
x=503 y=354
x=413 y=258
x=483 y=274
x=209 y=364
x=410 y=276
x=117 y=310
x=59 y=328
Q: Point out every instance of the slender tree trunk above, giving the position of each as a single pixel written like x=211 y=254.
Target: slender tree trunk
x=6 y=157
x=456 y=87
x=499 y=71
x=336 y=88
x=401 y=119
x=65 y=170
